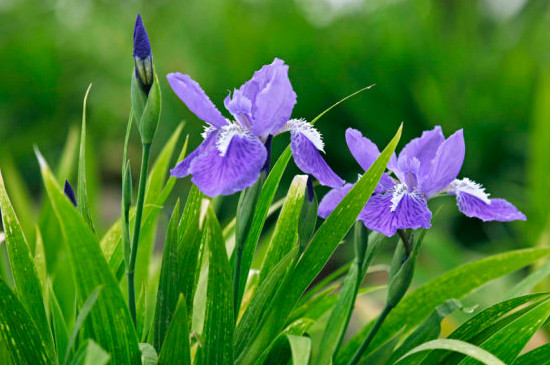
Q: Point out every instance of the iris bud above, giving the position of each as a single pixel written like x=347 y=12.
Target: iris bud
x=308 y=215
x=69 y=192
x=401 y=272
x=145 y=92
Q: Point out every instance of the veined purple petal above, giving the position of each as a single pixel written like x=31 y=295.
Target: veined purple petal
x=272 y=98
x=240 y=107
x=423 y=148
x=304 y=146
x=363 y=150
x=475 y=203
x=445 y=165
x=332 y=199
x=182 y=168
x=396 y=209
x=234 y=168
x=190 y=92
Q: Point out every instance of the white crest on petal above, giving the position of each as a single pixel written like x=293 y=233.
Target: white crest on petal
x=398 y=193
x=308 y=130
x=469 y=187
x=226 y=135
x=207 y=130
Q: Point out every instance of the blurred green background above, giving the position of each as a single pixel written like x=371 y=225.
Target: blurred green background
x=479 y=65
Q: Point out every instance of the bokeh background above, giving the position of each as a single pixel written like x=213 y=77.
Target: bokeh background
x=479 y=65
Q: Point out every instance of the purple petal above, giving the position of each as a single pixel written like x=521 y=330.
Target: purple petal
x=240 y=107
x=473 y=201
x=223 y=174
x=445 y=166
x=424 y=148
x=332 y=199
x=272 y=98
x=309 y=160
x=385 y=183
x=182 y=168
x=142 y=46
x=363 y=150
x=190 y=92
x=396 y=209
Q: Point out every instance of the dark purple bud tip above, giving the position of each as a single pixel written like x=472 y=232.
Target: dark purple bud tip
x=142 y=46
x=69 y=192
x=310 y=190
x=143 y=56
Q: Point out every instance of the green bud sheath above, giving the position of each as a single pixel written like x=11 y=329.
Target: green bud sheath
x=147 y=108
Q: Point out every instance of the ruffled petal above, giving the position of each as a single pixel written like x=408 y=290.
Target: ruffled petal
x=332 y=199
x=305 y=143
x=475 y=203
x=182 y=168
x=272 y=98
x=396 y=209
x=240 y=107
x=445 y=165
x=233 y=164
x=423 y=148
x=190 y=92
x=363 y=150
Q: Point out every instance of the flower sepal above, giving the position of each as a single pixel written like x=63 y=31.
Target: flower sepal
x=146 y=107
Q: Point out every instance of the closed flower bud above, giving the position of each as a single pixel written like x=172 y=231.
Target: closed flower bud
x=145 y=93
x=69 y=192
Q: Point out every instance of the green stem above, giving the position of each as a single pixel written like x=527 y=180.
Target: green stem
x=406 y=242
x=130 y=271
x=361 y=350
x=237 y=278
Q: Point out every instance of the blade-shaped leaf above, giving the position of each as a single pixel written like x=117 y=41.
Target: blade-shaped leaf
x=285 y=235
x=530 y=281
x=538 y=356
x=456 y=283
x=509 y=341
x=175 y=349
x=321 y=247
x=189 y=247
x=90 y=353
x=109 y=320
x=459 y=346
x=18 y=331
x=300 y=347
x=27 y=283
x=60 y=327
x=218 y=326
x=168 y=288
x=82 y=188
x=82 y=315
x=148 y=354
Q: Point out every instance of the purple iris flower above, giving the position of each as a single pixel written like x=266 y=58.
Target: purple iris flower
x=233 y=153
x=426 y=167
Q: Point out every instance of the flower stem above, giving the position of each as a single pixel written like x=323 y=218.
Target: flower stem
x=130 y=270
x=372 y=333
x=406 y=241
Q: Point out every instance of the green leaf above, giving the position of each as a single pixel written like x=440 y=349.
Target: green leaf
x=509 y=341
x=82 y=315
x=109 y=320
x=68 y=156
x=218 y=326
x=168 y=288
x=261 y=301
x=479 y=327
x=458 y=346
x=148 y=354
x=321 y=247
x=40 y=260
x=157 y=174
x=60 y=327
x=189 y=246
x=280 y=352
x=285 y=235
x=341 y=313
x=19 y=333
x=82 y=189
x=538 y=356
x=27 y=283
x=90 y=353
x=456 y=283
x=530 y=281
x=175 y=349
x=301 y=349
